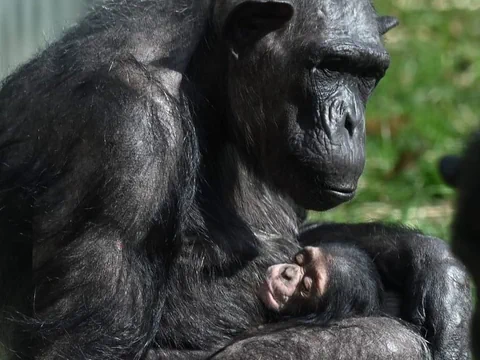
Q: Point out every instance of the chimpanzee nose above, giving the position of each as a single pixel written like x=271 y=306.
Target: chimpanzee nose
x=345 y=114
x=289 y=273
x=351 y=118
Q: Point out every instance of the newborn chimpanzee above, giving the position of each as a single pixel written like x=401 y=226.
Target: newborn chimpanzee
x=332 y=281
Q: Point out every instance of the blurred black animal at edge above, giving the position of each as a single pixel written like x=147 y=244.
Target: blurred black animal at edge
x=159 y=157
x=463 y=173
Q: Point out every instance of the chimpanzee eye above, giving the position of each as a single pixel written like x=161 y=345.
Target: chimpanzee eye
x=300 y=258
x=307 y=284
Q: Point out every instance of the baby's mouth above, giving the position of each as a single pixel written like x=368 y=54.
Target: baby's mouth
x=270 y=300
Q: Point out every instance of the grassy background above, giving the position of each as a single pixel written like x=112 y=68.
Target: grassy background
x=424 y=108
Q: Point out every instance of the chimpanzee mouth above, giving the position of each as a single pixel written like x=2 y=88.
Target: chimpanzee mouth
x=270 y=300
x=344 y=194
x=267 y=297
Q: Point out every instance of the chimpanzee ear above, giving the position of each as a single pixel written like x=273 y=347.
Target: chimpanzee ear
x=248 y=21
x=386 y=23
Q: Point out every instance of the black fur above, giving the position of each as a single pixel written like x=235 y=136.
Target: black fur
x=463 y=172
x=354 y=287
x=153 y=163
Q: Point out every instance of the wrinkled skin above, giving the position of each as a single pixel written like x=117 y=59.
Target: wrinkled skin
x=157 y=159
x=298 y=284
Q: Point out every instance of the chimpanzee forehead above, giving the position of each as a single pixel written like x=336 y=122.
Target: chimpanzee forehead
x=339 y=18
x=336 y=19
x=345 y=10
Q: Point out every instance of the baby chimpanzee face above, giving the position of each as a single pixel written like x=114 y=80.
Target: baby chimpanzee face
x=297 y=287
x=332 y=281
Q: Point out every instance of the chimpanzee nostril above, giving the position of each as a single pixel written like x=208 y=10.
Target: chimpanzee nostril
x=343 y=114
x=288 y=273
x=349 y=124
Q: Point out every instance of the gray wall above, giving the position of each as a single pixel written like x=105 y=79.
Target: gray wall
x=26 y=26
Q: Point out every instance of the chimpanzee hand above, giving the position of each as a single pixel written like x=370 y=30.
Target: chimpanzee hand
x=433 y=285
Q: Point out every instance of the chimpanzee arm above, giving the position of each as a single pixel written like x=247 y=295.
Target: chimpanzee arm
x=109 y=157
x=356 y=338
x=434 y=286
x=100 y=268
x=162 y=354
x=102 y=171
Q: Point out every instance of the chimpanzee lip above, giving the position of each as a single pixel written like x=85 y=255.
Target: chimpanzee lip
x=345 y=193
x=272 y=303
x=268 y=298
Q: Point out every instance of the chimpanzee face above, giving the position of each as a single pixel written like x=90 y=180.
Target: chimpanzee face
x=300 y=75
x=297 y=288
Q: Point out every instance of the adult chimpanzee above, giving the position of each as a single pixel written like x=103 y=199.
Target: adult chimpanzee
x=463 y=172
x=328 y=282
x=152 y=166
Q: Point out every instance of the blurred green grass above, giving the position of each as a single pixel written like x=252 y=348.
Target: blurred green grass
x=425 y=107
